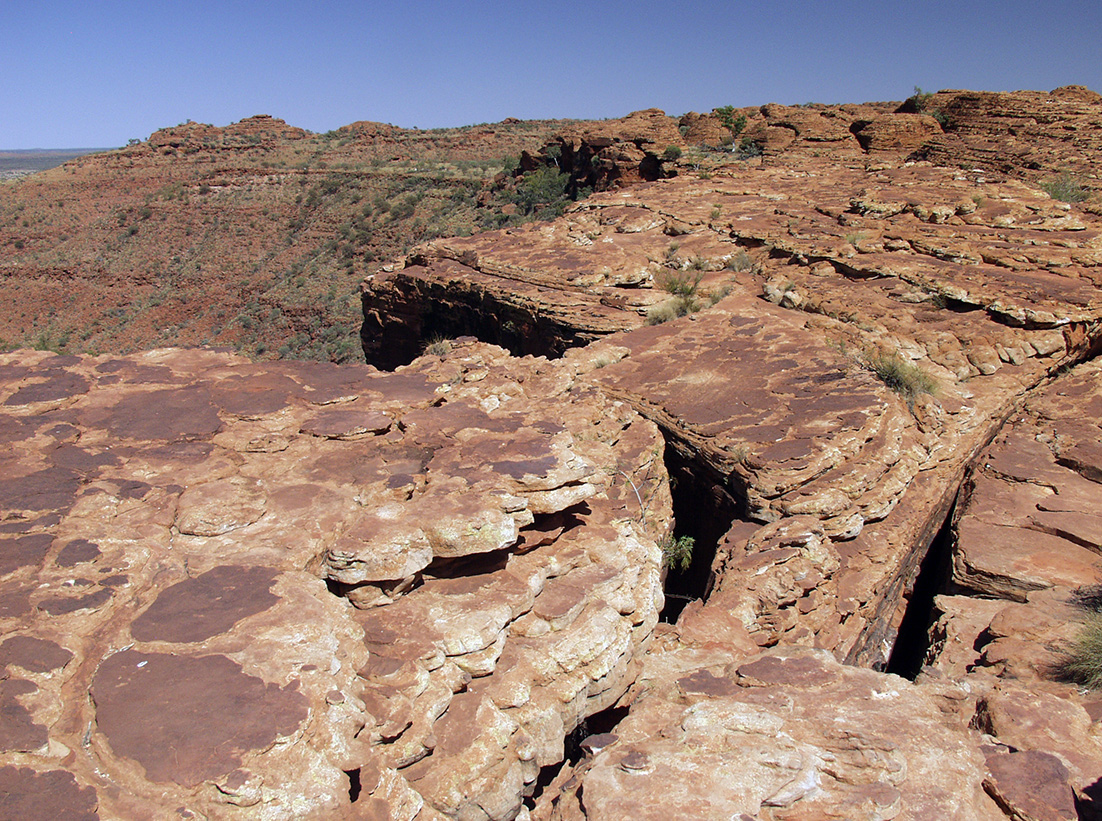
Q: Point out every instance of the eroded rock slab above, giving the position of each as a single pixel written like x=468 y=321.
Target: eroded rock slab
x=1026 y=568
x=184 y=551
x=817 y=288
x=788 y=734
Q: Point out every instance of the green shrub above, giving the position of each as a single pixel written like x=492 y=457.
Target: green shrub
x=50 y=339
x=732 y=123
x=748 y=149
x=905 y=378
x=543 y=191
x=677 y=551
x=920 y=99
x=1066 y=188
x=683 y=283
x=1083 y=664
x=920 y=102
x=405 y=207
x=671 y=154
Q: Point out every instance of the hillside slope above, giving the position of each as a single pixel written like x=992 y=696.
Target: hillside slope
x=252 y=236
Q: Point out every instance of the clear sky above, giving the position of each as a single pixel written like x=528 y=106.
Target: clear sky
x=94 y=73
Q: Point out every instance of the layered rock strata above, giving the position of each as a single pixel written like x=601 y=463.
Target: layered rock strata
x=976 y=289
x=786 y=734
x=175 y=525
x=1025 y=574
x=1012 y=132
x=862 y=337
x=302 y=591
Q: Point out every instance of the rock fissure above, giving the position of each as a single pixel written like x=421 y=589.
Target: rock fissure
x=704 y=509
x=912 y=639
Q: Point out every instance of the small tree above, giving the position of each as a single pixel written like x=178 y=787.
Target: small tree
x=677 y=551
x=543 y=191
x=734 y=124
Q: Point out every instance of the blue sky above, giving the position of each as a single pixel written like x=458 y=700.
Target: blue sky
x=95 y=73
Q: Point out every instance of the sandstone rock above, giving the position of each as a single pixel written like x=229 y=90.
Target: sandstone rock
x=166 y=547
x=878 y=472
x=1041 y=722
x=174 y=525
x=1008 y=132
x=703 y=129
x=1031 y=786
x=898 y=133
x=785 y=734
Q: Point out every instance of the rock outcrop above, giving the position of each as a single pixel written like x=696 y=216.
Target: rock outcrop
x=786 y=734
x=841 y=402
x=1013 y=133
x=863 y=335
x=611 y=153
x=174 y=528
x=982 y=289
x=252 y=235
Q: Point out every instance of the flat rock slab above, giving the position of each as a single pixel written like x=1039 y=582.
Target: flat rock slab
x=1043 y=506
x=185 y=538
x=790 y=734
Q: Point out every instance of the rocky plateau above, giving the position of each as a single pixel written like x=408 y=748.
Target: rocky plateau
x=846 y=355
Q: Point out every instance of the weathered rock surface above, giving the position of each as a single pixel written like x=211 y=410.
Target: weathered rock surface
x=611 y=153
x=169 y=525
x=787 y=734
x=296 y=590
x=819 y=288
x=985 y=287
x=1025 y=567
x=1011 y=132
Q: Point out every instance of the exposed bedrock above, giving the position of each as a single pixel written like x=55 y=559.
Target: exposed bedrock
x=295 y=590
x=975 y=290
x=173 y=528
x=862 y=340
x=786 y=734
x=1026 y=569
x=1030 y=134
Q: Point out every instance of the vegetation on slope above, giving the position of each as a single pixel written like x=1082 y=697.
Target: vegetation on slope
x=255 y=236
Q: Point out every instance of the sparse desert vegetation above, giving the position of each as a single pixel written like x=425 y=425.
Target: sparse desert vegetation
x=905 y=378
x=1066 y=187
